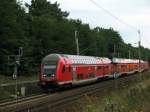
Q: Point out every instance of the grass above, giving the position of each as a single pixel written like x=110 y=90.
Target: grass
x=8 y=79
x=132 y=99
x=4 y=95
x=8 y=93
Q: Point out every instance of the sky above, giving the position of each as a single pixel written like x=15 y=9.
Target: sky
x=133 y=12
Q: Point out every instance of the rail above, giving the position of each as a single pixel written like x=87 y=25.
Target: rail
x=57 y=100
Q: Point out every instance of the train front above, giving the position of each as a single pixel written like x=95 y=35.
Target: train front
x=48 y=75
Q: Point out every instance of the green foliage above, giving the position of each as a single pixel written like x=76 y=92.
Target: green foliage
x=46 y=9
x=11 y=31
x=45 y=29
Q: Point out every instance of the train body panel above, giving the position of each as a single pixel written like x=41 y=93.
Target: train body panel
x=63 y=69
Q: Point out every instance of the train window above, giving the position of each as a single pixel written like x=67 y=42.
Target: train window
x=106 y=67
x=99 y=67
x=63 y=69
x=69 y=69
x=123 y=66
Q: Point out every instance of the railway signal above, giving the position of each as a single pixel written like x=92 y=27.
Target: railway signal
x=17 y=58
x=16 y=63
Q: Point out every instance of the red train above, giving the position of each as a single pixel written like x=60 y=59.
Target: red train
x=61 y=69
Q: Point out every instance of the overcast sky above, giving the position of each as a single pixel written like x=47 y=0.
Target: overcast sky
x=133 y=12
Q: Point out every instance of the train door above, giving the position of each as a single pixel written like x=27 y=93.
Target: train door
x=123 y=68
x=105 y=70
x=74 y=73
x=99 y=71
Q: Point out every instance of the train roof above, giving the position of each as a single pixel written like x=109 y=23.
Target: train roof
x=51 y=57
x=121 y=60
x=77 y=59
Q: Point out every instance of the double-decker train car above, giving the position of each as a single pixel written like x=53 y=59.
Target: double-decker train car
x=61 y=69
x=128 y=66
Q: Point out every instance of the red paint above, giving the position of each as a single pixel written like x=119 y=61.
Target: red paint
x=64 y=70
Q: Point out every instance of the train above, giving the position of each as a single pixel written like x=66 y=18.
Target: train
x=61 y=69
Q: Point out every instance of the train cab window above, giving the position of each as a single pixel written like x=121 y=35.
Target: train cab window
x=63 y=69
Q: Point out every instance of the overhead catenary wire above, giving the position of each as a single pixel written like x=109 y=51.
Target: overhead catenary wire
x=147 y=41
x=87 y=48
x=114 y=16
x=118 y=19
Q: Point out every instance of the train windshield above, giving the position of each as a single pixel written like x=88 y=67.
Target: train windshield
x=49 y=70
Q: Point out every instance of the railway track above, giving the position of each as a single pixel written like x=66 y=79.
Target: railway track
x=21 y=100
x=52 y=102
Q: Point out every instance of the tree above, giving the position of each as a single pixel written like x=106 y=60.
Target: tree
x=46 y=9
x=45 y=29
x=11 y=32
